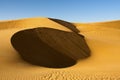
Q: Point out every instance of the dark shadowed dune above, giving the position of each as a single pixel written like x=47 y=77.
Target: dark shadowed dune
x=50 y=47
x=66 y=24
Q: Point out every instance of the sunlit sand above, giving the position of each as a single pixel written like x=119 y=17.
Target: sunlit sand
x=103 y=38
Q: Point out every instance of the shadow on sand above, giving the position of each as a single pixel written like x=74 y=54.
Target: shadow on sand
x=50 y=47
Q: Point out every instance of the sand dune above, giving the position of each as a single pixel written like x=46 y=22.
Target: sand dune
x=102 y=38
x=31 y=23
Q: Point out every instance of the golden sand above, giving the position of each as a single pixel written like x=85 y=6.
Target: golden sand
x=103 y=39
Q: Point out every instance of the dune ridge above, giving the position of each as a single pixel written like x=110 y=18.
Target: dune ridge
x=102 y=38
x=31 y=23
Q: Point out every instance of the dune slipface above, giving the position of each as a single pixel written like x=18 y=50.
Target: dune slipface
x=69 y=25
x=50 y=47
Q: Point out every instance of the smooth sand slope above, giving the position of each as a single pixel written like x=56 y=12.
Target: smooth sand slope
x=102 y=38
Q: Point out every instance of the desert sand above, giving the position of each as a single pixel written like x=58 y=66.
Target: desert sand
x=102 y=38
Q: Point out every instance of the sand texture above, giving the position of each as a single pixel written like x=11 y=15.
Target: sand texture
x=102 y=38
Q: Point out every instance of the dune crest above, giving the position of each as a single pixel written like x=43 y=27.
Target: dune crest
x=32 y=23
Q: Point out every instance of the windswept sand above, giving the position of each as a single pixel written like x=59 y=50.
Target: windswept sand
x=103 y=38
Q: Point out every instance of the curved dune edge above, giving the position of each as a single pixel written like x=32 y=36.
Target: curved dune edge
x=103 y=40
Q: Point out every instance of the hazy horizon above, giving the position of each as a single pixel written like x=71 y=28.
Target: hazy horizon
x=70 y=10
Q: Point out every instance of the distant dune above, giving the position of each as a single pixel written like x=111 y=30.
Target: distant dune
x=103 y=39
